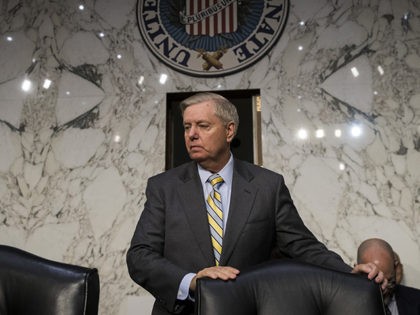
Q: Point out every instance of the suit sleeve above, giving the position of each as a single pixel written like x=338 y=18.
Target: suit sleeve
x=146 y=263
x=296 y=241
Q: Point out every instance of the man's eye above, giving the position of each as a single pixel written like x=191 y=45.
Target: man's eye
x=204 y=126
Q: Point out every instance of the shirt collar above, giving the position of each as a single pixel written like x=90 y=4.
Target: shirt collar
x=226 y=172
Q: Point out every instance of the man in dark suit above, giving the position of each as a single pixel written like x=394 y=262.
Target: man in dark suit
x=398 y=299
x=191 y=229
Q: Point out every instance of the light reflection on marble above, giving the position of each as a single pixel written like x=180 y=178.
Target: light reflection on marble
x=70 y=191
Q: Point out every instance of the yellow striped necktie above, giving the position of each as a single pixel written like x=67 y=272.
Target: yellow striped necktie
x=215 y=215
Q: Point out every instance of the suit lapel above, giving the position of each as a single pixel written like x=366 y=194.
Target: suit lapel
x=241 y=202
x=192 y=201
x=402 y=302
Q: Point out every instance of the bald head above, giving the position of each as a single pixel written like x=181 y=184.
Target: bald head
x=379 y=252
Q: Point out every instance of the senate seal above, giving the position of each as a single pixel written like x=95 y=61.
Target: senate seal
x=210 y=38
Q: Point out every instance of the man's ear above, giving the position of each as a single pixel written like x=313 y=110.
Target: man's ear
x=230 y=131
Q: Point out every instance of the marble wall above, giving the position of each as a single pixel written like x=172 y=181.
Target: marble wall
x=82 y=126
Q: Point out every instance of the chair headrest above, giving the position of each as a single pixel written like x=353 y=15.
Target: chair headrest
x=289 y=287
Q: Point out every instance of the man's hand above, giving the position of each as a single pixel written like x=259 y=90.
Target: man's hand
x=372 y=272
x=219 y=272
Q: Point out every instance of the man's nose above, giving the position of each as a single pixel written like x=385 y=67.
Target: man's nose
x=192 y=133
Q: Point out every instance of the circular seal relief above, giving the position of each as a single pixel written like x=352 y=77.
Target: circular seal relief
x=210 y=38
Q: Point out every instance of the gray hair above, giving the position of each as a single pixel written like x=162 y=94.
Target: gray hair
x=224 y=109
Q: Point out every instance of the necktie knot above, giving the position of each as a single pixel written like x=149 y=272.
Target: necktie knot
x=215 y=180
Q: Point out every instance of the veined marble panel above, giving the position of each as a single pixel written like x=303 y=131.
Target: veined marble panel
x=82 y=127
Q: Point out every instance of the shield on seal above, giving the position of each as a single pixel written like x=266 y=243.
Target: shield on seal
x=210 y=17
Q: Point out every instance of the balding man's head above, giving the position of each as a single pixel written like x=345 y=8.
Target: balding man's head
x=379 y=252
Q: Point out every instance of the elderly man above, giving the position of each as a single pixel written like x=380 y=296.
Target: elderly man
x=216 y=215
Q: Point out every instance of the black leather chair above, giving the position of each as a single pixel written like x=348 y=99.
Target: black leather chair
x=33 y=285
x=283 y=287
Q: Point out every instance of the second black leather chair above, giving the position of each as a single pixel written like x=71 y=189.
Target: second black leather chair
x=289 y=288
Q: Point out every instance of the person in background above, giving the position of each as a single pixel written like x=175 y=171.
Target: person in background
x=216 y=215
x=398 y=299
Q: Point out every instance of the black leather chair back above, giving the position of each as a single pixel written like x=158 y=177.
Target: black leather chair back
x=33 y=285
x=289 y=288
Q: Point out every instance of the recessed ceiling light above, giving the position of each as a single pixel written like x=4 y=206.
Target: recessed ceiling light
x=337 y=133
x=26 y=85
x=320 y=133
x=356 y=131
x=47 y=84
x=302 y=134
x=163 y=78
x=355 y=72
x=117 y=138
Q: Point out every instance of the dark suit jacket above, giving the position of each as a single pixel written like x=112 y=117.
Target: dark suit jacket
x=408 y=300
x=172 y=237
